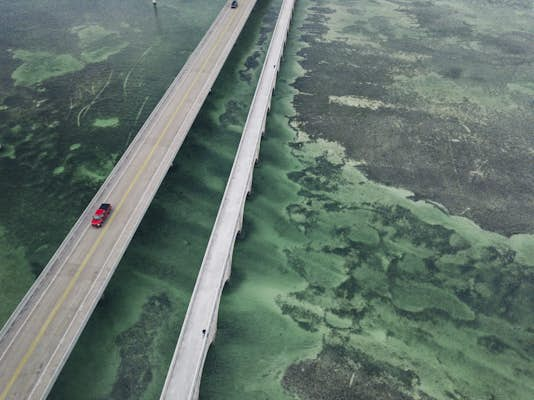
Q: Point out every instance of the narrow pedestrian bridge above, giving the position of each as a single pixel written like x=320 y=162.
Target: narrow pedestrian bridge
x=39 y=336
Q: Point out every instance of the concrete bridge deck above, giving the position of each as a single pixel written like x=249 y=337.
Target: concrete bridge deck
x=200 y=324
x=39 y=336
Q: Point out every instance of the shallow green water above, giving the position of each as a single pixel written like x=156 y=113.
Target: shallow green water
x=341 y=288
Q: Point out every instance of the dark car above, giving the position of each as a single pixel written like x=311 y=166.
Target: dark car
x=234 y=4
x=101 y=215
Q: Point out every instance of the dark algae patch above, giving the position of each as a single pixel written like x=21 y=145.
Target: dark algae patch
x=433 y=96
x=341 y=375
x=135 y=373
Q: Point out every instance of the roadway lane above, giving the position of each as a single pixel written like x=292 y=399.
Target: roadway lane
x=39 y=336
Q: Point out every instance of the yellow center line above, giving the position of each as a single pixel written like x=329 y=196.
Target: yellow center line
x=93 y=248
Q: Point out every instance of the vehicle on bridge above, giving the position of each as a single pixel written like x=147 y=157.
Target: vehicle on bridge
x=234 y=4
x=101 y=215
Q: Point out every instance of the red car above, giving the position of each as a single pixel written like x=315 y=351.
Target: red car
x=101 y=215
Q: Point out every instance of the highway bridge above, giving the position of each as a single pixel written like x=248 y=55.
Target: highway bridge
x=200 y=324
x=39 y=336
